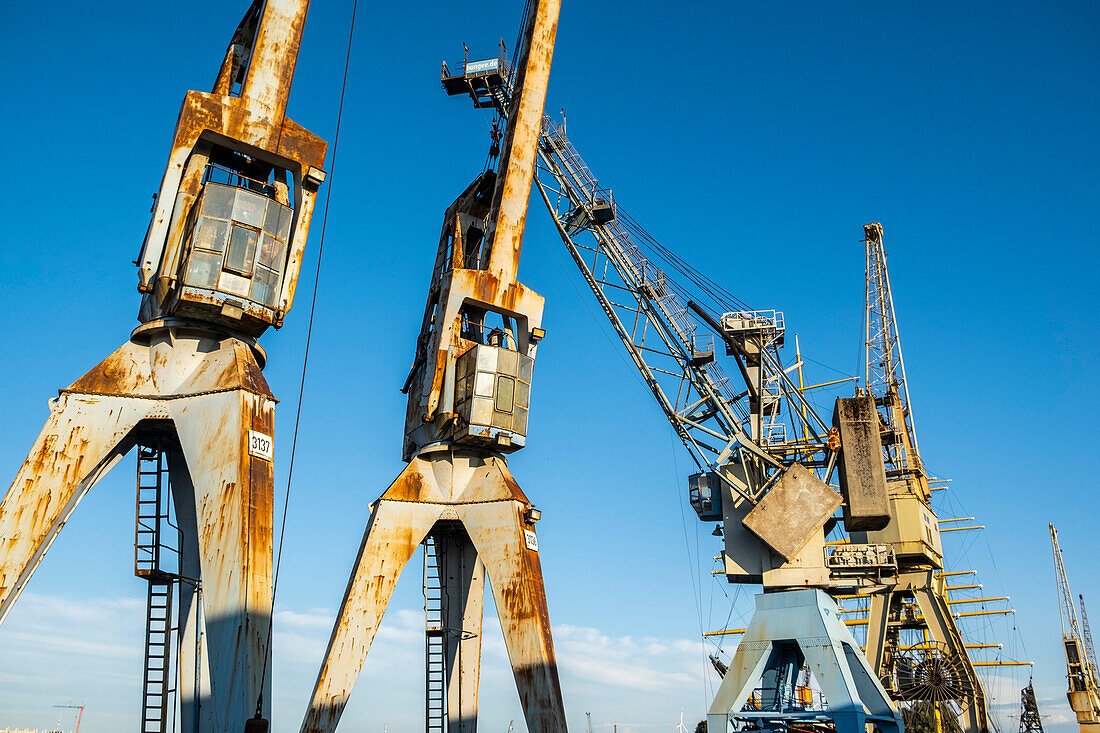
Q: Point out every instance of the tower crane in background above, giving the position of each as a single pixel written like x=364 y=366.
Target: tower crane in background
x=1081 y=672
x=79 y=715
x=1087 y=632
x=911 y=630
x=219 y=266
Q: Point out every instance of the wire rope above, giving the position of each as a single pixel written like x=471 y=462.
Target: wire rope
x=305 y=355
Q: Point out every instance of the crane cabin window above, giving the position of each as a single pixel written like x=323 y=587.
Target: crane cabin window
x=241 y=257
x=505 y=396
x=238 y=243
x=492 y=393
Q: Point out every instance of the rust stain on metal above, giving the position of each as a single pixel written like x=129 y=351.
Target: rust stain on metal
x=255 y=120
x=392 y=536
x=409 y=486
x=142 y=369
x=190 y=372
x=521 y=139
x=448 y=480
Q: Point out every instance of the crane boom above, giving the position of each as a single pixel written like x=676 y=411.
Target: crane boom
x=661 y=338
x=1071 y=625
x=885 y=368
x=717 y=422
x=1090 y=650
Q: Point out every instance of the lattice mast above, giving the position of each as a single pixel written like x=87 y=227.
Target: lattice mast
x=1071 y=625
x=1030 y=721
x=884 y=376
x=1087 y=632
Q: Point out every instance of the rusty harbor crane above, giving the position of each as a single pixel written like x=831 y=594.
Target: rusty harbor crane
x=763 y=452
x=469 y=393
x=747 y=451
x=218 y=267
x=1083 y=690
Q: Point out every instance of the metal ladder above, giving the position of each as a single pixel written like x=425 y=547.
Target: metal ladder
x=151 y=519
x=435 y=641
x=157 y=684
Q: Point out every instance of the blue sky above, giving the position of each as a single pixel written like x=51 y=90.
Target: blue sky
x=754 y=139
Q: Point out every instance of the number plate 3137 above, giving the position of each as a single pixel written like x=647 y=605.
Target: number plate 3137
x=260 y=445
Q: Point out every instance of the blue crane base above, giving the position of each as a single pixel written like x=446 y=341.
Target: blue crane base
x=791 y=630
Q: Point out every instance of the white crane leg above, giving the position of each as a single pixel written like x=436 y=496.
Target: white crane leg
x=498 y=531
x=231 y=512
x=194 y=672
x=463 y=577
x=84 y=437
x=394 y=532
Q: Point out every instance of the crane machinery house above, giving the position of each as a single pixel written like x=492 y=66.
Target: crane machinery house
x=235 y=250
x=492 y=395
x=229 y=223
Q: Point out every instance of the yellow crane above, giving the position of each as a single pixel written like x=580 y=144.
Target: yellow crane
x=913 y=641
x=1083 y=696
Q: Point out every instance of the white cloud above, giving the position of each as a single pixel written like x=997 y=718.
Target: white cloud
x=54 y=649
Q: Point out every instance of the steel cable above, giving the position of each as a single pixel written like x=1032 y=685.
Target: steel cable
x=305 y=356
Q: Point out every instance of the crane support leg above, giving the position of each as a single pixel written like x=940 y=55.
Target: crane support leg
x=801 y=625
x=84 y=437
x=462 y=575
x=194 y=672
x=936 y=618
x=499 y=532
x=439 y=492
x=937 y=615
x=878 y=635
x=232 y=511
x=394 y=531
x=206 y=390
